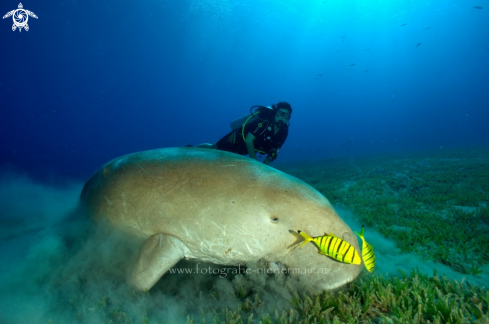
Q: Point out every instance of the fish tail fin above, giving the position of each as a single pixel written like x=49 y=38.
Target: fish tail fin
x=298 y=238
x=306 y=237
x=361 y=232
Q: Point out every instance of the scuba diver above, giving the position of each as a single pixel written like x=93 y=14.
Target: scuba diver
x=264 y=131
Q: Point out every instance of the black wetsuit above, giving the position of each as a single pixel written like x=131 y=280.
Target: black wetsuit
x=266 y=142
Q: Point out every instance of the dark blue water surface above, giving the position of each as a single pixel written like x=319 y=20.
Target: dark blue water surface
x=93 y=80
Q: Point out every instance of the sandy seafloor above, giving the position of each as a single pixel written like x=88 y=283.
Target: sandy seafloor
x=55 y=268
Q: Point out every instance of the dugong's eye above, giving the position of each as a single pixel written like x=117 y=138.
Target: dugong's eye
x=274 y=219
x=346 y=236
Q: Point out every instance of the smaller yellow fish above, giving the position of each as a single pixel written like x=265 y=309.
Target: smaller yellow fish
x=368 y=254
x=334 y=247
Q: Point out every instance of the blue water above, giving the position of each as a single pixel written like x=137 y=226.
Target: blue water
x=93 y=80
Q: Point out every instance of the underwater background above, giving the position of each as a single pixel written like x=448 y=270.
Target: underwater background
x=390 y=122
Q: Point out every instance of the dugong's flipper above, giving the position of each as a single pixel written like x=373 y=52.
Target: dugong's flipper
x=159 y=253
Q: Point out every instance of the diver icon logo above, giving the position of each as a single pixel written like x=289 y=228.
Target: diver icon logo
x=20 y=17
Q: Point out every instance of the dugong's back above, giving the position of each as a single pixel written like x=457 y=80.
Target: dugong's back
x=151 y=191
x=130 y=189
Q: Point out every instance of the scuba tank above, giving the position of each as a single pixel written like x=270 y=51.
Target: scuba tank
x=239 y=123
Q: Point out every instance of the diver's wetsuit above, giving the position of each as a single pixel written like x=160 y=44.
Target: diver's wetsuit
x=265 y=139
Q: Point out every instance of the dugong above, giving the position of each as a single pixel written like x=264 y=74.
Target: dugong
x=218 y=207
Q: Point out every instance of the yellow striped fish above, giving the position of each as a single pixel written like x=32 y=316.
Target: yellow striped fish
x=368 y=254
x=334 y=247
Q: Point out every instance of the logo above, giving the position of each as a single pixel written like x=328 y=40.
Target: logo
x=20 y=17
